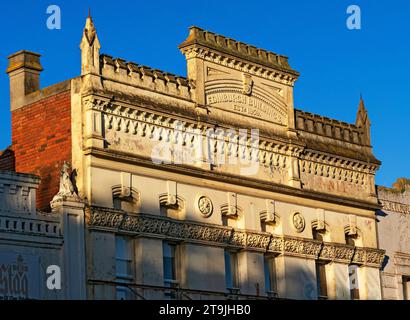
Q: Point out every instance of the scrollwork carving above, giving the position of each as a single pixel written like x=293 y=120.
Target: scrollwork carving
x=117 y=221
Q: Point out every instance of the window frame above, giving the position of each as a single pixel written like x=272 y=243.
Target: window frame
x=125 y=255
x=270 y=271
x=321 y=274
x=406 y=287
x=354 y=292
x=174 y=282
x=233 y=283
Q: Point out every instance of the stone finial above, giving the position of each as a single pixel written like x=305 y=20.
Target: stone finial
x=24 y=71
x=90 y=48
x=363 y=122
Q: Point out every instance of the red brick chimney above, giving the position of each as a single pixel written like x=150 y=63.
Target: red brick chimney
x=41 y=124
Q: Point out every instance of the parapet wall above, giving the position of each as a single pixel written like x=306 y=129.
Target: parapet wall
x=326 y=127
x=142 y=76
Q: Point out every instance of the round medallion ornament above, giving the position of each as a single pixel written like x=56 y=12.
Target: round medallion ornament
x=298 y=222
x=205 y=206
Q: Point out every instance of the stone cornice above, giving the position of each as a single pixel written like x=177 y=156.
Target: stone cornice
x=340 y=162
x=228 y=178
x=267 y=145
x=139 y=123
x=166 y=228
x=395 y=206
x=223 y=46
x=238 y=64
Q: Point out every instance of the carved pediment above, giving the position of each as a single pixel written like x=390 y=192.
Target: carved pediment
x=234 y=79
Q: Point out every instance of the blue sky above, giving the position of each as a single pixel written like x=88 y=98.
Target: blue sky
x=336 y=64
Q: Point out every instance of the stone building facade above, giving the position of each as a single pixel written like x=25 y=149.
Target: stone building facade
x=206 y=186
x=394 y=237
x=31 y=241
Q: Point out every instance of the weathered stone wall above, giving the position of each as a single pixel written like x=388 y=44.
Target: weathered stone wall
x=394 y=237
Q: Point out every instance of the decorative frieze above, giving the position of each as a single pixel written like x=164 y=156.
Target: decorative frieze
x=276 y=244
x=170 y=140
x=257 y=240
x=149 y=124
x=373 y=257
x=301 y=247
x=338 y=253
x=368 y=256
x=336 y=168
x=163 y=227
x=335 y=174
x=395 y=206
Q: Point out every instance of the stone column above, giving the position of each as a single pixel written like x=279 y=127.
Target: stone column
x=73 y=268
